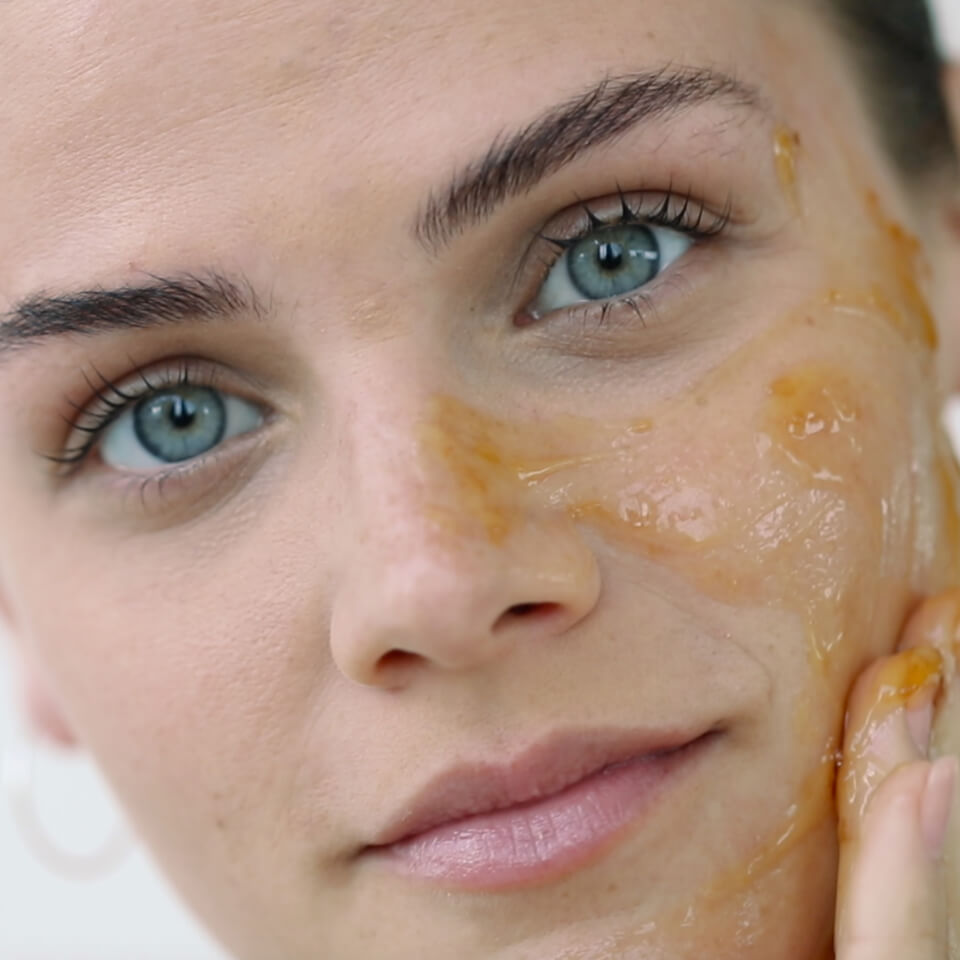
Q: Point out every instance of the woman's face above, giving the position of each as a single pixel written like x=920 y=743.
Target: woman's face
x=551 y=368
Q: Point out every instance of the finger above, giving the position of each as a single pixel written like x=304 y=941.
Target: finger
x=893 y=807
x=934 y=623
x=893 y=892
x=937 y=623
x=889 y=715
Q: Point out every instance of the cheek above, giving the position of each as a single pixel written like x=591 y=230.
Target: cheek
x=175 y=677
x=782 y=481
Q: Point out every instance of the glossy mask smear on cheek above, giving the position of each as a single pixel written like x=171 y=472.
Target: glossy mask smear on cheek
x=797 y=510
x=882 y=279
x=898 y=256
x=773 y=515
x=809 y=502
x=786 y=151
x=819 y=481
x=794 y=513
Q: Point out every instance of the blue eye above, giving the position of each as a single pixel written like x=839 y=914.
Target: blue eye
x=175 y=424
x=611 y=261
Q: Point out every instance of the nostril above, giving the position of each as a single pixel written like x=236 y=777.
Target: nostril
x=397 y=660
x=523 y=609
x=529 y=611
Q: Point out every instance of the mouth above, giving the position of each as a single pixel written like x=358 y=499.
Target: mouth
x=557 y=809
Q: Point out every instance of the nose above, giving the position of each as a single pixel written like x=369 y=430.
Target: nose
x=431 y=583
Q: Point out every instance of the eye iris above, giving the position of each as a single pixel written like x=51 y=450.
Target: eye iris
x=614 y=262
x=180 y=424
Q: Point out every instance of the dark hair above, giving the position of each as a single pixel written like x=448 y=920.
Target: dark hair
x=893 y=40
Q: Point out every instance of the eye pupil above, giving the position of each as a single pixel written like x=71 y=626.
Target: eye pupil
x=610 y=256
x=182 y=413
x=614 y=261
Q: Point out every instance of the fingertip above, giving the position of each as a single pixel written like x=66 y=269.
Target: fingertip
x=934 y=623
x=907 y=682
x=889 y=724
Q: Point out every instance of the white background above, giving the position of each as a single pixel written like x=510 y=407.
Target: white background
x=129 y=915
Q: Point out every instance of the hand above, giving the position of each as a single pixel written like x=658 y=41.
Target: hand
x=896 y=790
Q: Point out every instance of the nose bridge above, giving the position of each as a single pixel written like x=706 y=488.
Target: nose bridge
x=445 y=547
x=422 y=485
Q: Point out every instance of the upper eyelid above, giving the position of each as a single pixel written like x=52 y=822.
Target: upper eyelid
x=198 y=371
x=652 y=200
x=188 y=372
x=649 y=205
x=211 y=373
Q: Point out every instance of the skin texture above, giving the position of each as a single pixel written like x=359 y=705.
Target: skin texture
x=459 y=531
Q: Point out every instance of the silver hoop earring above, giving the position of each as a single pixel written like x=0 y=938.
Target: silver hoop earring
x=18 y=783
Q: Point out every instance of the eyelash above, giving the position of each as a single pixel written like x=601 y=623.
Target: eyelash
x=111 y=401
x=676 y=211
x=680 y=212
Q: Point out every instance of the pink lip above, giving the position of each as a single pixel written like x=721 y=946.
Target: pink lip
x=552 y=809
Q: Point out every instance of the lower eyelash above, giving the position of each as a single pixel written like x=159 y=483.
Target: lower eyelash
x=633 y=301
x=141 y=485
x=594 y=315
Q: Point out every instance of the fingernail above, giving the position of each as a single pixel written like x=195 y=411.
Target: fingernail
x=946 y=21
x=937 y=804
x=922 y=685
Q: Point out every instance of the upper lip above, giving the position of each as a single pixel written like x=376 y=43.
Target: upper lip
x=544 y=769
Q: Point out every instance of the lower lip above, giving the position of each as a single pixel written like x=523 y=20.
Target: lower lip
x=543 y=840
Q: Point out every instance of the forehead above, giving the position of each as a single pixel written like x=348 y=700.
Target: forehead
x=93 y=77
x=134 y=111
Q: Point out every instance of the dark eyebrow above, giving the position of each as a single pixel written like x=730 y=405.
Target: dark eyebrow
x=209 y=295
x=512 y=165
x=515 y=163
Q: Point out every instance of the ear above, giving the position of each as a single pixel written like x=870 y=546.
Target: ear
x=37 y=702
x=42 y=711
